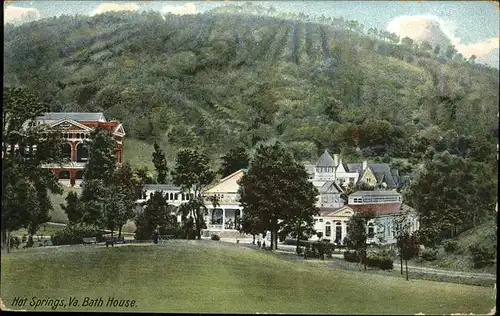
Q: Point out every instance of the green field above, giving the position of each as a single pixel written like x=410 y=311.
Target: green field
x=209 y=276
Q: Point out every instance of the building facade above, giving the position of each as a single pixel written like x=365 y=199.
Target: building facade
x=75 y=129
x=223 y=219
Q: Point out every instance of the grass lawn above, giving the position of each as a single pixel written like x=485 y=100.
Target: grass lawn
x=216 y=277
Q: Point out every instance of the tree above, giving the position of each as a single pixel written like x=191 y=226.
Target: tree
x=472 y=59
x=450 y=51
x=251 y=225
x=192 y=173
x=157 y=214
x=441 y=194
x=234 y=160
x=160 y=164
x=72 y=208
x=357 y=234
x=407 y=243
x=142 y=175
x=127 y=187
x=299 y=220
x=426 y=46
x=407 y=42
x=102 y=159
x=98 y=179
x=276 y=188
x=25 y=184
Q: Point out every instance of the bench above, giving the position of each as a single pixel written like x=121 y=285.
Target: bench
x=89 y=240
x=114 y=240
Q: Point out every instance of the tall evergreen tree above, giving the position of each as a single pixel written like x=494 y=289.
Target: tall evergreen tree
x=276 y=188
x=160 y=164
x=99 y=177
x=102 y=158
x=25 y=184
x=192 y=173
x=72 y=208
x=234 y=160
x=358 y=235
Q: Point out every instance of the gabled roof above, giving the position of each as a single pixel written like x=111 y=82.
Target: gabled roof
x=75 y=116
x=389 y=175
x=221 y=181
x=329 y=185
x=72 y=122
x=325 y=160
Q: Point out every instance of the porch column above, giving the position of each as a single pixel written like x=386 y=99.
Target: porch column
x=72 y=176
x=223 y=219
x=73 y=151
x=344 y=231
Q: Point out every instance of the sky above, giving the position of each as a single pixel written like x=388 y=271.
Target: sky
x=472 y=26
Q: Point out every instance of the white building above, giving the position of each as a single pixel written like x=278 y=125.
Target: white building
x=223 y=219
x=385 y=204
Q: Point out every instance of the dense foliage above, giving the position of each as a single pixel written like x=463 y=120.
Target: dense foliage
x=25 y=149
x=223 y=78
x=276 y=192
x=73 y=235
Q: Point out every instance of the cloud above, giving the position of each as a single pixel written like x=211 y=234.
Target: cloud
x=107 y=7
x=14 y=14
x=439 y=32
x=188 y=8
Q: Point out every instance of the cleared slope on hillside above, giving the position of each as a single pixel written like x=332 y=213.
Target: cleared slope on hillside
x=217 y=80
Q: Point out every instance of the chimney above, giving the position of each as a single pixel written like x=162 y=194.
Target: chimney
x=365 y=165
x=336 y=159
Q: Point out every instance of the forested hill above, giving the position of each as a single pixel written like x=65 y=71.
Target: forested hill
x=221 y=79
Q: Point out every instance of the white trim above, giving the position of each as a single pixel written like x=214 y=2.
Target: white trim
x=75 y=123
x=119 y=131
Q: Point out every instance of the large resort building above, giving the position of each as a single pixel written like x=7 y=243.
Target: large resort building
x=75 y=129
x=330 y=176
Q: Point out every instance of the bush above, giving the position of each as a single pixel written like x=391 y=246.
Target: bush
x=451 y=246
x=482 y=256
x=300 y=251
x=73 y=235
x=429 y=254
x=351 y=256
x=215 y=237
x=293 y=242
x=379 y=260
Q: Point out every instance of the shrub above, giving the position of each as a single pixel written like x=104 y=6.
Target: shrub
x=351 y=256
x=379 y=260
x=482 y=256
x=429 y=254
x=386 y=263
x=293 y=242
x=300 y=250
x=73 y=235
x=215 y=237
x=451 y=246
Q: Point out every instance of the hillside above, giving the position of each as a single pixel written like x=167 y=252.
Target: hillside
x=221 y=79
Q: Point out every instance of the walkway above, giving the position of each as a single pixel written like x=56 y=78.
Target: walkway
x=289 y=249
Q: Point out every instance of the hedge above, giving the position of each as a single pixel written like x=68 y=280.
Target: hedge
x=73 y=235
x=450 y=246
x=482 y=256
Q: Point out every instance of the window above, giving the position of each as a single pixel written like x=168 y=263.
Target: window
x=176 y=196
x=171 y=196
x=328 y=230
x=315 y=220
x=371 y=230
x=321 y=220
x=338 y=233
